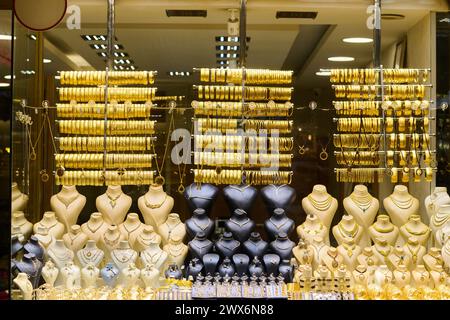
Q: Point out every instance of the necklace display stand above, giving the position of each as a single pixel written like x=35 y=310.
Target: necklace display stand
x=319 y=203
x=200 y=245
x=398 y=257
x=70 y=276
x=68 y=204
x=383 y=275
x=439 y=277
x=173 y=272
x=75 y=239
x=16 y=247
x=382 y=249
x=349 y=251
x=155 y=206
x=227 y=246
x=240 y=225
x=282 y=246
x=313 y=227
x=277 y=223
x=363 y=207
x=240 y=197
x=255 y=246
x=90 y=255
x=303 y=253
x=24 y=285
x=143 y=240
x=446 y=255
x=199 y=222
x=131 y=228
x=110 y=241
x=19 y=200
x=271 y=263
x=44 y=237
x=123 y=255
x=201 y=196
x=256 y=268
x=402 y=276
x=318 y=246
x=226 y=268
x=89 y=276
x=420 y=276
x=439 y=220
x=435 y=200
x=113 y=205
x=415 y=250
x=173 y=227
x=414 y=227
x=60 y=254
x=177 y=251
x=95 y=227
x=129 y=276
x=278 y=196
x=150 y=276
x=18 y=220
x=383 y=228
x=285 y=269
x=30 y=266
x=241 y=262
x=331 y=259
x=155 y=256
x=110 y=274
x=33 y=246
x=368 y=258
x=346 y=229
x=433 y=259
x=442 y=235
x=360 y=275
x=50 y=273
x=210 y=263
x=194 y=268
x=51 y=223
x=400 y=205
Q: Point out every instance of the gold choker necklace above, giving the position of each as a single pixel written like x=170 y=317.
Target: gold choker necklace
x=156 y=205
x=113 y=200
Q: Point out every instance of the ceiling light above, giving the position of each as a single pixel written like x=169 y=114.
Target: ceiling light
x=4 y=84
x=357 y=40
x=46 y=60
x=341 y=59
x=323 y=73
x=8 y=77
x=6 y=37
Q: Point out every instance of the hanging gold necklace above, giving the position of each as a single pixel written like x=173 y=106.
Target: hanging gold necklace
x=156 y=205
x=334 y=256
x=402 y=204
x=414 y=252
x=113 y=200
x=363 y=203
x=322 y=205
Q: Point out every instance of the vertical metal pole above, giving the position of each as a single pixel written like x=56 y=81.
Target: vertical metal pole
x=109 y=66
x=377 y=34
x=243 y=33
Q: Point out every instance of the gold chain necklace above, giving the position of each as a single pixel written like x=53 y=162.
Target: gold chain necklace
x=363 y=203
x=349 y=249
x=348 y=233
x=414 y=252
x=156 y=205
x=333 y=256
x=93 y=231
x=439 y=219
x=384 y=253
x=387 y=229
x=63 y=201
x=202 y=228
x=113 y=200
x=113 y=242
x=322 y=205
x=126 y=255
x=402 y=204
x=313 y=231
x=128 y=231
x=239 y=224
x=178 y=250
x=278 y=226
x=416 y=233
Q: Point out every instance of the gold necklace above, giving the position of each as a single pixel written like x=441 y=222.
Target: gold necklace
x=416 y=233
x=178 y=250
x=438 y=220
x=128 y=231
x=156 y=205
x=334 y=256
x=348 y=233
x=239 y=224
x=111 y=243
x=349 y=249
x=384 y=253
x=363 y=203
x=276 y=226
x=126 y=255
x=202 y=228
x=313 y=231
x=112 y=200
x=414 y=253
x=321 y=205
x=402 y=204
x=171 y=228
x=93 y=231
x=48 y=227
x=63 y=201
x=387 y=229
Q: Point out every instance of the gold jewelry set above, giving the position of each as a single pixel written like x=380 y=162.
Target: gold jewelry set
x=253 y=177
x=251 y=93
x=237 y=159
x=250 y=143
x=95 y=78
x=86 y=131
x=97 y=110
x=86 y=94
x=252 y=76
x=235 y=109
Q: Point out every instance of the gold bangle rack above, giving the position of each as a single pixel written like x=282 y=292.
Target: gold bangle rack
x=105 y=141
x=242 y=124
x=383 y=125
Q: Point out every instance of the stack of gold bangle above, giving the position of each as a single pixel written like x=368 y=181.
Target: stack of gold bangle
x=251 y=143
x=235 y=109
x=357 y=108
x=404 y=91
x=253 y=177
x=95 y=160
x=98 y=94
x=361 y=175
x=113 y=127
x=211 y=123
x=252 y=76
x=247 y=160
x=251 y=93
x=361 y=158
x=356 y=91
x=95 y=78
x=97 y=110
x=404 y=75
x=98 y=178
x=96 y=144
x=282 y=126
x=359 y=141
x=406 y=107
x=366 y=125
x=413 y=141
x=369 y=76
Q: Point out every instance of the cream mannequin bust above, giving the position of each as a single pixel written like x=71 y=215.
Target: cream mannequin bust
x=176 y=250
x=415 y=250
x=89 y=276
x=383 y=275
x=442 y=235
x=50 y=273
x=113 y=205
x=24 y=285
x=19 y=200
x=150 y=276
x=129 y=276
x=131 y=228
x=383 y=228
x=146 y=236
x=59 y=253
x=446 y=255
x=49 y=221
x=123 y=255
x=438 y=276
x=15 y=232
x=155 y=206
x=342 y=273
x=45 y=239
x=321 y=204
x=90 y=255
x=311 y=228
x=381 y=249
x=368 y=258
x=415 y=227
x=420 y=276
x=173 y=227
x=331 y=259
x=75 y=239
x=433 y=259
x=70 y=276
x=398 y=257
x=303 y=253
x=402 y=276
x=18 y=220
x=322 y=272
x=95 y=227
x=363 y=207
x=110 y=240
x=68 y=204
x=437 y=198
x=349 y=251
x=318 y=246
x=360 y=275
x=400 y=205
x=348 y=228
x=155 y=256
x=438 y=221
